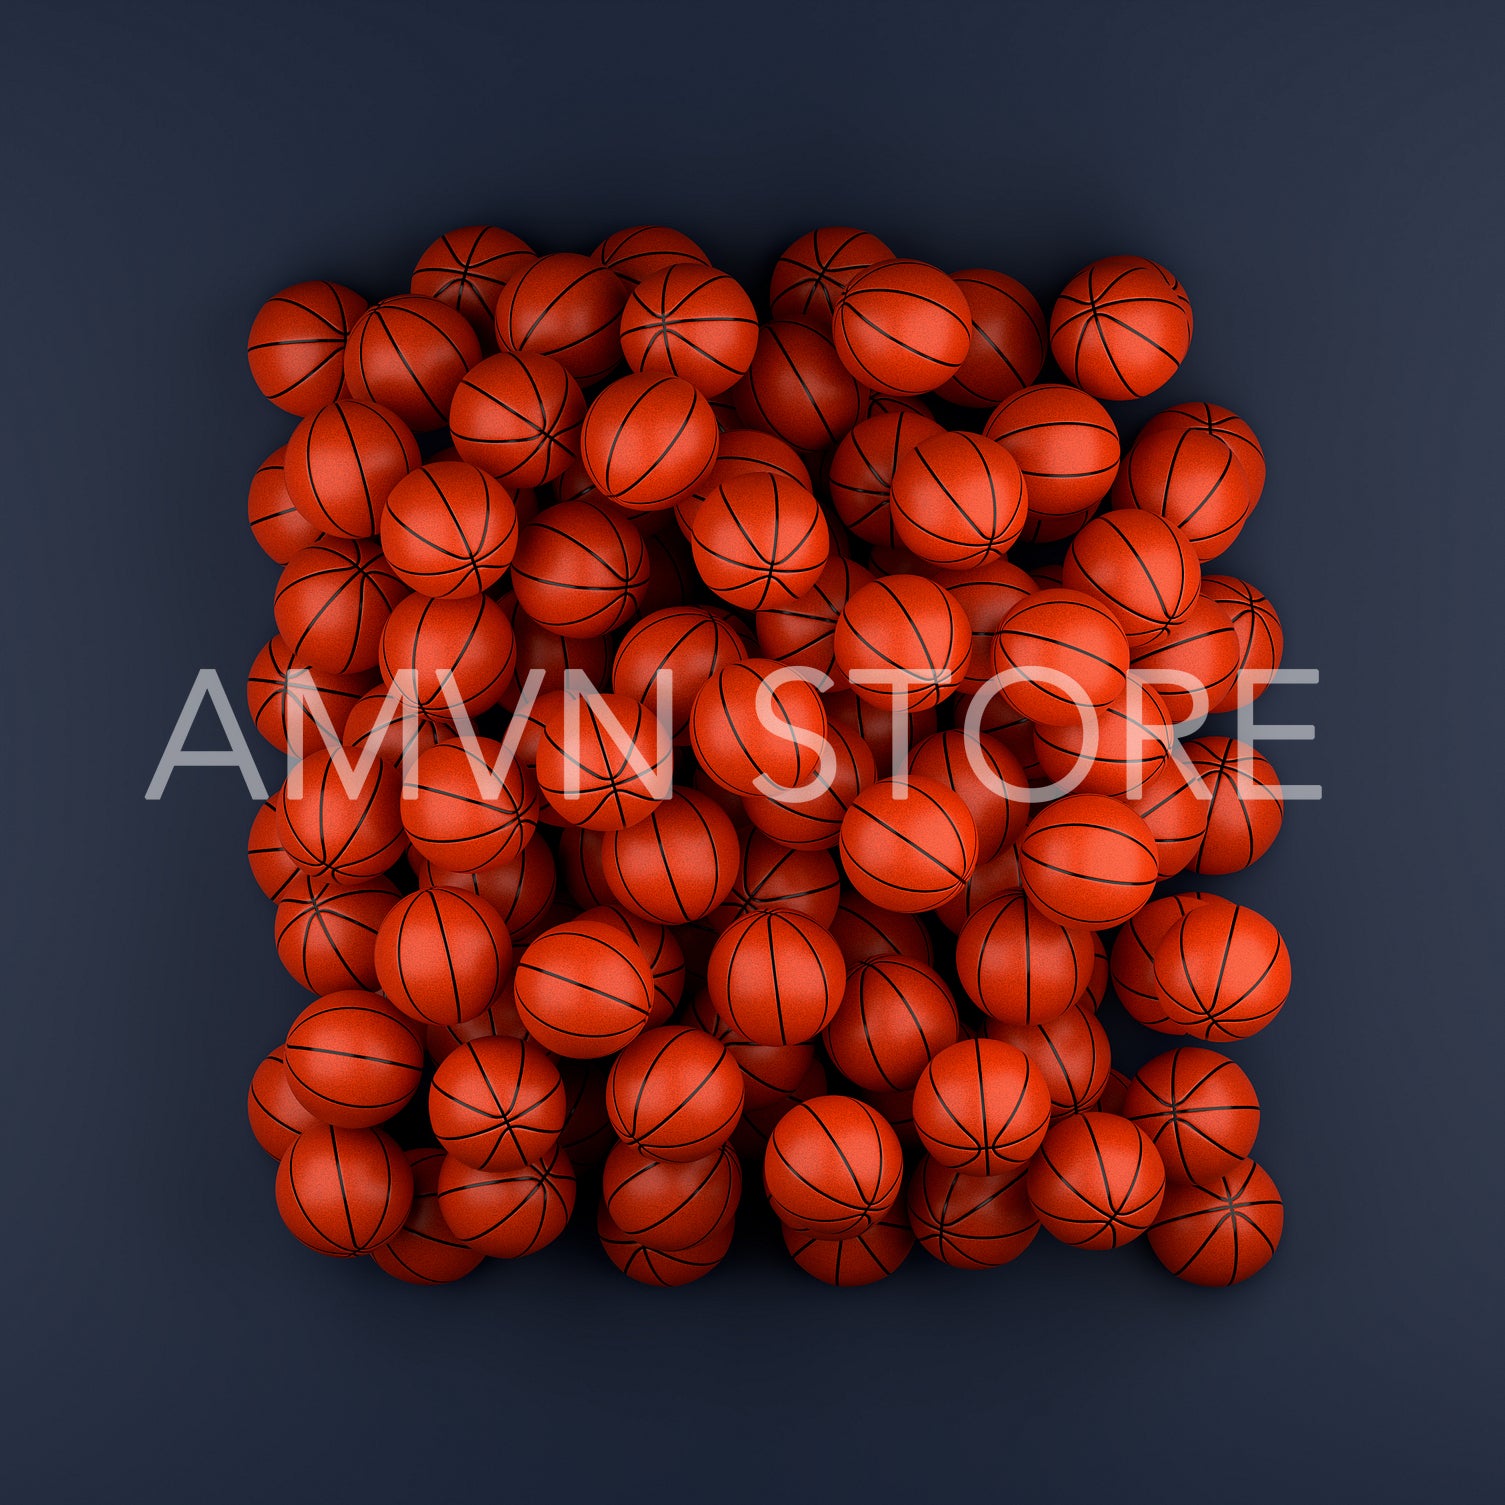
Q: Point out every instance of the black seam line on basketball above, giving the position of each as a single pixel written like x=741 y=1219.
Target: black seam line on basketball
x=1040 y=637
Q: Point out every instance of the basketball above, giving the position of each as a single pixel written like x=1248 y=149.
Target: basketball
x=326 y=931
x=812 y=825
x=802 y=632
x=1069 y=1053
x=296 y=347
x=772 y=1075
x=1018 y=966
x=342 y=463
x=603 y=761
x=774 y=876
x=1133 y=743
x=1097 y=1183
x=981 y=1108
x=971 y=1222
x=666 y=957
x=1068 y=652
x=833 y=1167
x=352 y=1060
x=760 y=540
x=332 y=602
x=1222 y=1232
x=797 y=388
x=1245 y=809
x=566 y=306
x=1170 y=806
x=812 y=273
x=276 y=524
x=468 y=268
x=645 y=250
x=409 y=354
x=497 y=1104
x=578 y=571
x=677 y=865
x=424 y=1252
x=1007 y=349
x=517 y=417
x=676 y=1093
x=1132 y=960
x=903 y=638
x=294 y=705
x=1064 y=442
x=508 y=1214
x=998 y=804
x=1139 y=566
x=754 y=724
x=986 y=594
x=958 y=500
x=693 y=322
x=902 y=327
x=663 y=1267
x=1227 y=426
x=690 y=643
x=1121 y=327
x=1199 y=1109
x=277 y=1118
x=1261 y=639
x=647 y=439
x=449 y=530
x=896 y=1016
x=330 y=832
x=1193 y=664
x=460 y=814
x=584 y=989
x=859 y=1259
x=1222 y=972
x=1087 y=860
x=670 y=1204
x=442 y=955
x=444 y=655
x=776 y=977
x=863 y=467
x=1192 y=479
x=908 y=848
x=344 y=1192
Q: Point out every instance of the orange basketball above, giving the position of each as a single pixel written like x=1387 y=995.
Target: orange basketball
x=986 y=594
x=1065 y=443
x=277 y=1118
x=409 y=354
x=497 y=1104
x=670 y=1204
x=444 y=654
x=690 y=321
x=1222 y=972
x=776 y=977
x=815 y=824
x=331 y=832
x=812 y=273
x=833 y=1167
x=643 y=250
x=326 y=931
x=442 y=955
x=647 y=439
x=1133 y=743
x=861 y=475
x=603 y=761
x=908 y=848
x=1199 y=1109
x=1227 y=425
x=797 y=388
x=508 y=1214
x=1194 y=663
x=1132 y=962
x=297 y=344
x=896 y=1016
x=692 y=644
x=352 y=1059
x=664 y=1267
x=982 y=771
x=520 y=890
x=971 y=1222
x=566 y=306
x=332 y=602
x=1140 y=567
x=677 y=865
x=1121 y=327
x=753 y=724
x=468 y=268
x=902 y=327
x=803 y=631
x=958 y=500
x=292 y=704
x=1018 y=966
x=276 y=524
x=274 y=871
x=462 y=814
x=772 y=1075
x=981 y=1108
x=344 y=1192
x=903 y=638
x=1097 y=1183
x=1192 y=479
x=1261 y=639
x=518 y=418
x=1245 y=808
x=774 y=876
x=1223 y=1232
x=584 y=989
x=1069 y=1053
x=1170 y=806
x=578 y=571
x=666 y=957
x=1060 y=648
x=342 y=463
x=1088 y=860
x=760 y=540
x=859 y=1259
x=1007 y=350
x=676 y=1093
x=449 y=529
x=424 y=1252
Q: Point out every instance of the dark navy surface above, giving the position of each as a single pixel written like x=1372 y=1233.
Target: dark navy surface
x=1325 y=180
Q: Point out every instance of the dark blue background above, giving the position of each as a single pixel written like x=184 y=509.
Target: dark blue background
x=1325 y=180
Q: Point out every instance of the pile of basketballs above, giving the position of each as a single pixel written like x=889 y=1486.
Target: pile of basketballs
x=767 y=886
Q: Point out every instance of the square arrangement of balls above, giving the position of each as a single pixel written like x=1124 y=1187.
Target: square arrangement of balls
x=676 y=685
